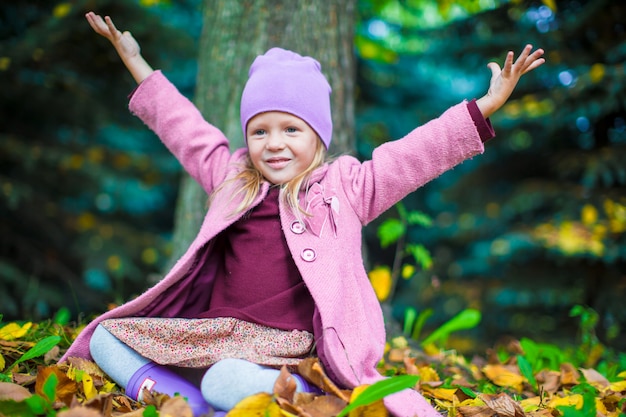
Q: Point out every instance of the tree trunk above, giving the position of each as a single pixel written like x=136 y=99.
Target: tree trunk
x=234 y=33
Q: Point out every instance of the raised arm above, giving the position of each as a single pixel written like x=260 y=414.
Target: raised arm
x=126 y=46
x=504 y=80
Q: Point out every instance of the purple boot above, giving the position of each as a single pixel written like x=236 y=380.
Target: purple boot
x=307 y=386
x=158 y=378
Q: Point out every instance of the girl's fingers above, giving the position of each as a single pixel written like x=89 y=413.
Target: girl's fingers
x=508 y=62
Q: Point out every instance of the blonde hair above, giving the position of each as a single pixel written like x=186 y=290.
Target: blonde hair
x=251 y=180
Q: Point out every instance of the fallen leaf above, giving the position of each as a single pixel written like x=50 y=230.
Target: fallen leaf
x=66 y=388
x=595 y=378
x=575 y=400
x=376 y=409
x=476 y=411
x=324 y=406
x=24 y=379
x=542 y=412
x=122 y=403
x=569 y=374
x=428 y=374
x=446 y=394
x=261 y=405
x=505 y=376
x=502 y=404
x=88 y=388
x=549 y=381
x=101 y=403
x=175 y=407
x=85 y=365
x=11 y=391
x=311 y=370
x=397 y=354
x=53 y=355
x=79 y=412
x=619 y=386
x=285 y=385
x=14 y=331
x=153 y=398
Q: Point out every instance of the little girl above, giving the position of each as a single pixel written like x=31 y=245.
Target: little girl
x=275 y=274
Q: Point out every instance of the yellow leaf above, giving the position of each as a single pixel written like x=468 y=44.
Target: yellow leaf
x=575 y=400
x=376 y=409
x=600 y=407
x=61 y=10
x=407 y=271
x=531 y=404
x=428 y=374
x=615 y=386
x=589 y=214
x=504 y=377
x=90 y=390
x=14 y=331
x=380 y=278
x=446 y=394
x=261 y=405
x=149 y=3
x=431 y=350
x=5 y=63
x=108 y=387
x=2 y=362
x=596 y=73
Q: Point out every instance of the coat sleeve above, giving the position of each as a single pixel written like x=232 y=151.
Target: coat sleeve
x=399 y=167
x=200 y=147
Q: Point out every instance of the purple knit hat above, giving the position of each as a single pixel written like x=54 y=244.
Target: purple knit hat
x=282 y=80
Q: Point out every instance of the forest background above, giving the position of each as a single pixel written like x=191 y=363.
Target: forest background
x=522 y=234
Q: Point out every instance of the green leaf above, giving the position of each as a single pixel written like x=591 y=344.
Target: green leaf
x=390 y=231
x=466 y=319
x=50 y=387
x=150 y=411
x=62 y=316
x=418 y=218
x=37 y=404
x=527 y=370
x=421 y=255
x=42 y=347
x=380 y=390
x=541 y=355
x=419 y=325
x=15 y=408
x=410 y=314
x=468 y=392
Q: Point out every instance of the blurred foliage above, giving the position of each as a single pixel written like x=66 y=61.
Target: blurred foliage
x=536 y=224
x=86 y=192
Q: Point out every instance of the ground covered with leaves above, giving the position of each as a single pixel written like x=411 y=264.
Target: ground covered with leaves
x=520 y=378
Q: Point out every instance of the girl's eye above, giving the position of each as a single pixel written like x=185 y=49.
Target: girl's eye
x=291 y=130
x=258 y=132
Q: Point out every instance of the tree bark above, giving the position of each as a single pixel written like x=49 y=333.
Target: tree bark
x=234 y=33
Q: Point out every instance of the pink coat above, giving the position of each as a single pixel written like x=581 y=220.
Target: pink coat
x=346 y=195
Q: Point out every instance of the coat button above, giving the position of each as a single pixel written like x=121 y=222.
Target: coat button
x=297 y=227
x=308 y=255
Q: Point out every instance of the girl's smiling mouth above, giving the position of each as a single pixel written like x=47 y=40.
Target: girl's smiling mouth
x=277 y=162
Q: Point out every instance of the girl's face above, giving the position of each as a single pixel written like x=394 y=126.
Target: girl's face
x=280 y=145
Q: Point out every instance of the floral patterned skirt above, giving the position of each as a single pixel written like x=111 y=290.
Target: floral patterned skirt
x=199 y=343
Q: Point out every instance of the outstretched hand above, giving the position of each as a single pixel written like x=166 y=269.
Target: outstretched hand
x=504 y=80
x=126 y=46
